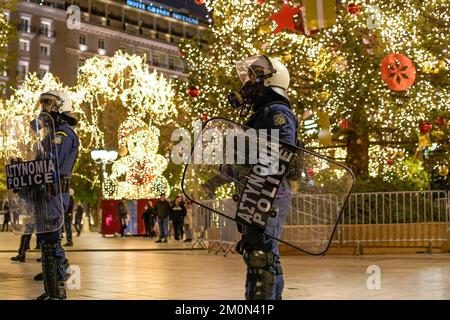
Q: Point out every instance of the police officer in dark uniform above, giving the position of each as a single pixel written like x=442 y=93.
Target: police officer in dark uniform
x=62 y=147
x=264 y=91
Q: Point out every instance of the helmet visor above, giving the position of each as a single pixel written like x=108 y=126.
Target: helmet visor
x=254 y=68
x=50 y=103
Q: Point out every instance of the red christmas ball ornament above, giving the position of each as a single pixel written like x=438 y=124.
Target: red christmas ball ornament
x=344 y=124
x=398 y=71
x=199 y=2
x=204 y=117
x=193 y=92
x=310 y=172
x=354 y=8
x=425 y=127
x=389 y=162
x=440 y=122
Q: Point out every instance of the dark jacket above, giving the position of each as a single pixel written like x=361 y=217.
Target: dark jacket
x=149 y=215
x=79 y=213
x=163 y=209
x=177 y=213
x=122 y=212
x=7 y=215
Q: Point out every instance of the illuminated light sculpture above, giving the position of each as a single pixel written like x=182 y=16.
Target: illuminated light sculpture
x=138 y=173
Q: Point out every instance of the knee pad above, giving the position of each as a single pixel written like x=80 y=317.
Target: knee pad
x=259 y=259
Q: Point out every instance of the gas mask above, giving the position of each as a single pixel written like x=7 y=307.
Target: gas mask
x=247 y=95
x=253 y=73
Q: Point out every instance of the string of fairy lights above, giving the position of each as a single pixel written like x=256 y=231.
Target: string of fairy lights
x=338 y=69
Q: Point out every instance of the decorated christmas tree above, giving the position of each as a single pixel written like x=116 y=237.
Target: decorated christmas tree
x=369 y=79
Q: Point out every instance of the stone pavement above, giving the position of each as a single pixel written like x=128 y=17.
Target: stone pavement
x=185 y=274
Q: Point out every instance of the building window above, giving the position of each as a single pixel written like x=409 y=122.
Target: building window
x=81 y=62
x=43 y=70
x=101 y=44
x=155 y=60
x=83 y=39
x=24 y=45
x=22 y=70
x=24 y=24
x=44 y=50
x=45 y=28
x=171 y=63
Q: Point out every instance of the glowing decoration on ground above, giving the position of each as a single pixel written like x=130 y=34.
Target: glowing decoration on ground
x=285 y=18
x=138 y=174
x=398 y=71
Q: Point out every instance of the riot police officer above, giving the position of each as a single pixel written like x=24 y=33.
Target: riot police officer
x=62 y=145
x=264 y=91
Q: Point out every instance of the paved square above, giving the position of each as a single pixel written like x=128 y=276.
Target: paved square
x=184 y=274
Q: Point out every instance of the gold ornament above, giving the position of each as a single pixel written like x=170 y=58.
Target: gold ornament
x=123 y=151
x=264 y=30
x=324 y=120
x=323 y=96
x=400 y=154
x=286 y=57
x=325 y=137
x=443 y=171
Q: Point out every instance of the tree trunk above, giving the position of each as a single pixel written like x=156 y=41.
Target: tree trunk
x=357 y=158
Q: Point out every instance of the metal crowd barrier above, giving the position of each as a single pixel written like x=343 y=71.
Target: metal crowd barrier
x=213 y=231
x=395 y=219
x=405 y=218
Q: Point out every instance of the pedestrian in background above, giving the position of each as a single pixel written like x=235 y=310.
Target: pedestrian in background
x=149 y=217
x=177 y=216
x=188 y=221
x=6 y=217
x=68 y=218
x=163 y=212
x=123 y=216
x=78 y=218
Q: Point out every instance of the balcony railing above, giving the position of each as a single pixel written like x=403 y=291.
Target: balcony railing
x=26 y=28
x=47 y=33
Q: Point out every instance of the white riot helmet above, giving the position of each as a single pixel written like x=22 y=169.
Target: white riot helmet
x=59 y=102
x=272 y=71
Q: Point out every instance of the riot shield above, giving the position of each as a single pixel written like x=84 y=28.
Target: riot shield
x=252 y=177
x=32 y=174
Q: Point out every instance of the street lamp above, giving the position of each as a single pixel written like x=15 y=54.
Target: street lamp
x=103 y=157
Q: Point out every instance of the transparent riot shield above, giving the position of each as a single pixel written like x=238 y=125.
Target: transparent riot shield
x=256 y=180
x=32 y=174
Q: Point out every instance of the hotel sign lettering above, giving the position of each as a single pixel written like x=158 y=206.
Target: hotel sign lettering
x=163 y=12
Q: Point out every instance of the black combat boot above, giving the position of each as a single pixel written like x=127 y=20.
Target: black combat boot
x=40 y=277
x=23 y=247
x=54 y=288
